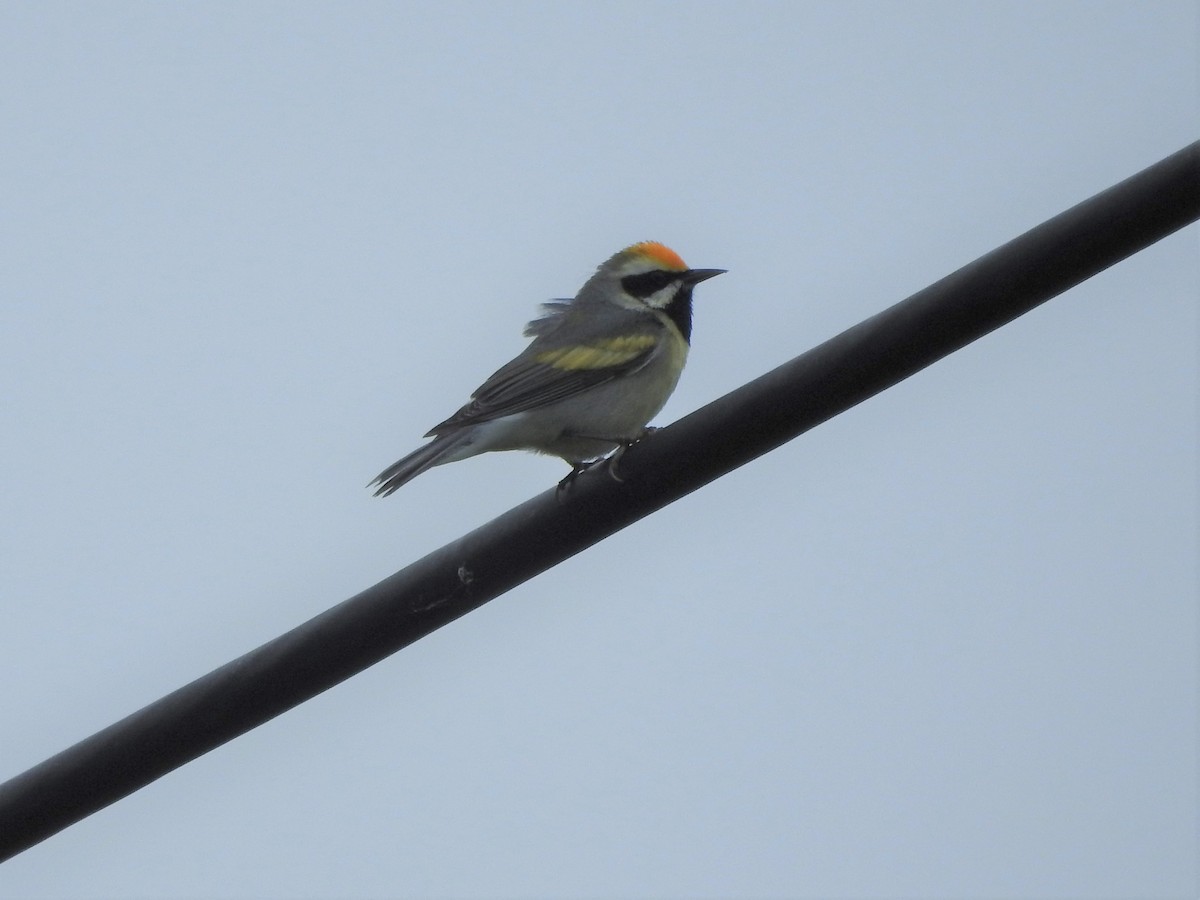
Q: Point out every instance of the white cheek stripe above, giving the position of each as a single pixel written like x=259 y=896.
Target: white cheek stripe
x=660 y=299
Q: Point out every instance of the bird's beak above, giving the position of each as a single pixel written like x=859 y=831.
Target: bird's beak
x=695 y=276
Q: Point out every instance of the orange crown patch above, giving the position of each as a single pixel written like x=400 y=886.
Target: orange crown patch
x=661 y=254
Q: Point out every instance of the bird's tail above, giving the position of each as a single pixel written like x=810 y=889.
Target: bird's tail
x=439 y=450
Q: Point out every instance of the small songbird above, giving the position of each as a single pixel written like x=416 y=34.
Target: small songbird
x=599 y=368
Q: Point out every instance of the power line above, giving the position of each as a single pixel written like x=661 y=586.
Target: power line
x=731 y=431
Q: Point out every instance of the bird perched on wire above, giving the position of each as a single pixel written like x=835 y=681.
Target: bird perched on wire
x=599 y=368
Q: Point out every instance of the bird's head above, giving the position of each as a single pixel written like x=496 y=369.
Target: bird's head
x=650 y=274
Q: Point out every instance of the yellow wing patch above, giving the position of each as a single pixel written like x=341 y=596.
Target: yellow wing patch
x=604 y=354
x=660 y=254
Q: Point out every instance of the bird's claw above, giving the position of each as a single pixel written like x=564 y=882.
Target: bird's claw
x=615 y=458
x=612 y=460
x=564 y=486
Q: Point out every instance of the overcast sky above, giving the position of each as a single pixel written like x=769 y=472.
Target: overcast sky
x=944 y=645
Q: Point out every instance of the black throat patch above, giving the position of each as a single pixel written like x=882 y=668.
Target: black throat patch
x=679 y=311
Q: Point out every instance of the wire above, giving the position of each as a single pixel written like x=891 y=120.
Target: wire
x=545 y=530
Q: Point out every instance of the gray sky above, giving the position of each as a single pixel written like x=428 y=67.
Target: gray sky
x=943 y=646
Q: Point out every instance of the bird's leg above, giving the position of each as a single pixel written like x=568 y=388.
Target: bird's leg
x=612 y=459
x=577 y=469
x=615 y=457
x=622 y=446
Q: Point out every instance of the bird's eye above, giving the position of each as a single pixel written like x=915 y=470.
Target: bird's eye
x=647 y=283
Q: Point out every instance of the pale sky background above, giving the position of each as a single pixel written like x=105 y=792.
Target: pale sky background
x=943 y=646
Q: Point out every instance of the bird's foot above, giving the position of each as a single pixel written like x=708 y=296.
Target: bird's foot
x=615 y=457
x=613 y=460
x=564 y=486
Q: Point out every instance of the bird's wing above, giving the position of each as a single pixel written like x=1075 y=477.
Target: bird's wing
x=543 y=375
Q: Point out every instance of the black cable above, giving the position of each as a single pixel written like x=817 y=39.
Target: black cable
x=536 y=535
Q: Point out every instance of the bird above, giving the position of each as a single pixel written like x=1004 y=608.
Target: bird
x=599 y=368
